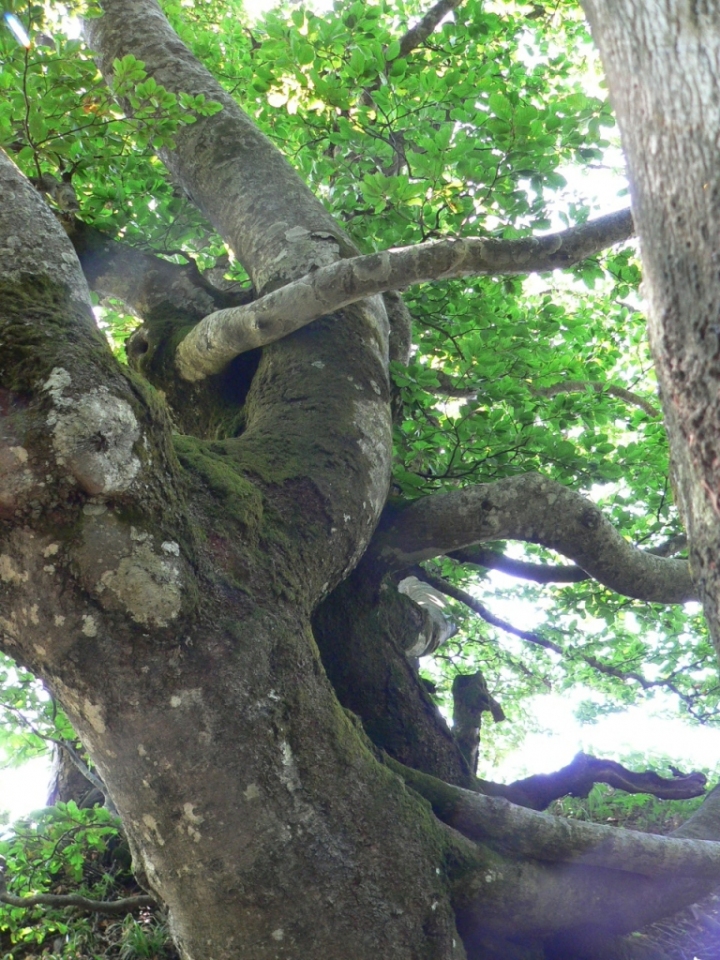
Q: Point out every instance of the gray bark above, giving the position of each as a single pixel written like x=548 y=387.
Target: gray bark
x=221 y=336
x=662 y=61
x=539 y=510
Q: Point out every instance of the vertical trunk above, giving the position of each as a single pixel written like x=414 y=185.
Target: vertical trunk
x=662 y=60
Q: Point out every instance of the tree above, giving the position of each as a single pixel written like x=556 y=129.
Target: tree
x=200 y=556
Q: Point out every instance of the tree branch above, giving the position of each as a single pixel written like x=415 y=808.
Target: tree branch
x=579 y=777
x=525 y=832
x=551 y=872
x=538 y=510
x=537 y=572
x=68 y=749
x=109 y=907
x=220 y=337
x=422 y=30
x=148 y=284
x=582 y=386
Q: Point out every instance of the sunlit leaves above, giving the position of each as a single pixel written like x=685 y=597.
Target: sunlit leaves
x=49 y=851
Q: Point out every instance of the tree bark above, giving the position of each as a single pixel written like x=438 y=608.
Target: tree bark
x=662 y=63
x=184 y=586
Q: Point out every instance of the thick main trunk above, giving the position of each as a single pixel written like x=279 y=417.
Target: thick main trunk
x=252 y=807
x=167 y=605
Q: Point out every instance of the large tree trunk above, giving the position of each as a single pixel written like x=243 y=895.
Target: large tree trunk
x=662 y=61
x=186 y=663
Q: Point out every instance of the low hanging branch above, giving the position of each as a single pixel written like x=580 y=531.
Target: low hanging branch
x=108 y=907
x=225 y=334
x=579 y=777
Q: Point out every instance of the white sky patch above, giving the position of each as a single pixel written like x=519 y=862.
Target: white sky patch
x=645 y=729
x=24 y=788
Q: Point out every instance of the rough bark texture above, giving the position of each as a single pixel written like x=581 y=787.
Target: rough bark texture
x=185 y=660
x=662 y=60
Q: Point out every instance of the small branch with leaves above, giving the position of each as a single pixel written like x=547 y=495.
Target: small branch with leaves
x=109 y=907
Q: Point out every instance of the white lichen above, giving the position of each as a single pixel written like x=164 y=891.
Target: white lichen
x=93 y=714
x=9 y=573
x=93 y=436
x=153 y=831
x=147 y=585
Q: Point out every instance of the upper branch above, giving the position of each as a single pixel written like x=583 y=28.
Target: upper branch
x=531 y=636
x=582 y=386
x=538 y=510
x=225 y=334
x=277 y=228
x=422 y=30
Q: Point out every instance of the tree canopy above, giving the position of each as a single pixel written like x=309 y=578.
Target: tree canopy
x=439 y=258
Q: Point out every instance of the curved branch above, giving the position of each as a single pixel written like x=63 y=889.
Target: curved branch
x=579 y=777
x=223 y=335
x=582 y=386
x=538 y=510
x=523 y=832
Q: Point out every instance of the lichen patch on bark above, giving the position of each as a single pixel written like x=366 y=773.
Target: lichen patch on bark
x=120 y=566
x=9 y=573
x=93 y=436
